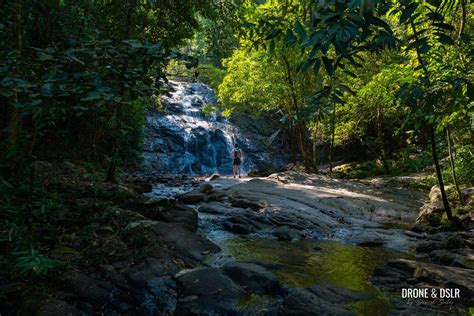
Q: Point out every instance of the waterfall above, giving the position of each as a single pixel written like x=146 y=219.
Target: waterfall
x=182 y=140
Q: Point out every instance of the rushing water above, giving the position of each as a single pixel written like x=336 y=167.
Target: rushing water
x=181 y=139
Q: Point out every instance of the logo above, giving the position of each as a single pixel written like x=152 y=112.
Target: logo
x=430 y=295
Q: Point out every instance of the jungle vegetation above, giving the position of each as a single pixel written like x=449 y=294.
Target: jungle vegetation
x=384 y=84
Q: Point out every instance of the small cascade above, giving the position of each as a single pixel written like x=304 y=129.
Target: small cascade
x=183 y=140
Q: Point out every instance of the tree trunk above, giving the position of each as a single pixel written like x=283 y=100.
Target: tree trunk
x=432 y=132
x=453 y=167
x=463 y=18
x=15 y=118
x=111 y=171
x=447 y=208
x=315 y=148
x=128 y=25
x=333 y=132
x=380 y=141
x=303 y=149
x=115 y=145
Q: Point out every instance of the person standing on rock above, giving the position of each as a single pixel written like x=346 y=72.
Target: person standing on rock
x=236 y=160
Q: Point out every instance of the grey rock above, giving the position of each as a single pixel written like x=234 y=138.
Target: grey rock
x=246 y=203
x=172 y=236
x=305 y=302
x=55 y=307
x=192 y=198
x=205 y=188
x=455 y=241
x=214 y=177
x=401 y=273
x=253 y=278
x=175 y=212
x=218 y=208
x=241 y=229
x=142 y=187
x=286 y=233
x=216 y=293
x=89 y=289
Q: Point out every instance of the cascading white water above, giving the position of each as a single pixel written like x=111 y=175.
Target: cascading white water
x=182 y=140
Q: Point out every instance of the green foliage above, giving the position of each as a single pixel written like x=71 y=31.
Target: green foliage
x=78 y=75
x=210 y=74
x=465 y=165
x=380 y=73
x=34 y=264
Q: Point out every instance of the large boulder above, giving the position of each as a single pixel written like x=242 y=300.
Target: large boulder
x=89 y=289
x=174 y=212
x=183 y=242
x=54 y=307
x=199 y=194
x=430 y=214
x=254 y=278
x=208 y=291
x=192 y=197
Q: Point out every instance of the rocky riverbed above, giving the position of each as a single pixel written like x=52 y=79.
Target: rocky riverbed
x=288 y=244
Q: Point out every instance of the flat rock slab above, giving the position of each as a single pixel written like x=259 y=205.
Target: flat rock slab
x=291 y=205
x=218 y=208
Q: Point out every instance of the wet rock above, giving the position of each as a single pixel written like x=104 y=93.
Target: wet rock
x=428 y=246
x=286 y=233
x=141 y=274
x=217 y=196
x=314 y=301
x=246 y=203
x=241 y=229
x=89 y=289
x=142 y=187
x=420 y=228
x=253 y=278
x=207 y=291
x=465 y=259
x=394 y=269
x=218 y=208
x=337 y=294
x=414 y=234
x=173 y=236
x=214 y=177
x=178 y=213
x=442 y=257
x=142 y=203
x=266 y=265
x=192 y=198
x=455 y=242
x=205 y=188
x=54 y=307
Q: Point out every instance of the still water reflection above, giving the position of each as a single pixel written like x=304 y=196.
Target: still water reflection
x=304 y=264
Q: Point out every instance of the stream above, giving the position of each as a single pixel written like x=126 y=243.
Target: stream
x=334 y=246
x=304 y=263
x=298 y=264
